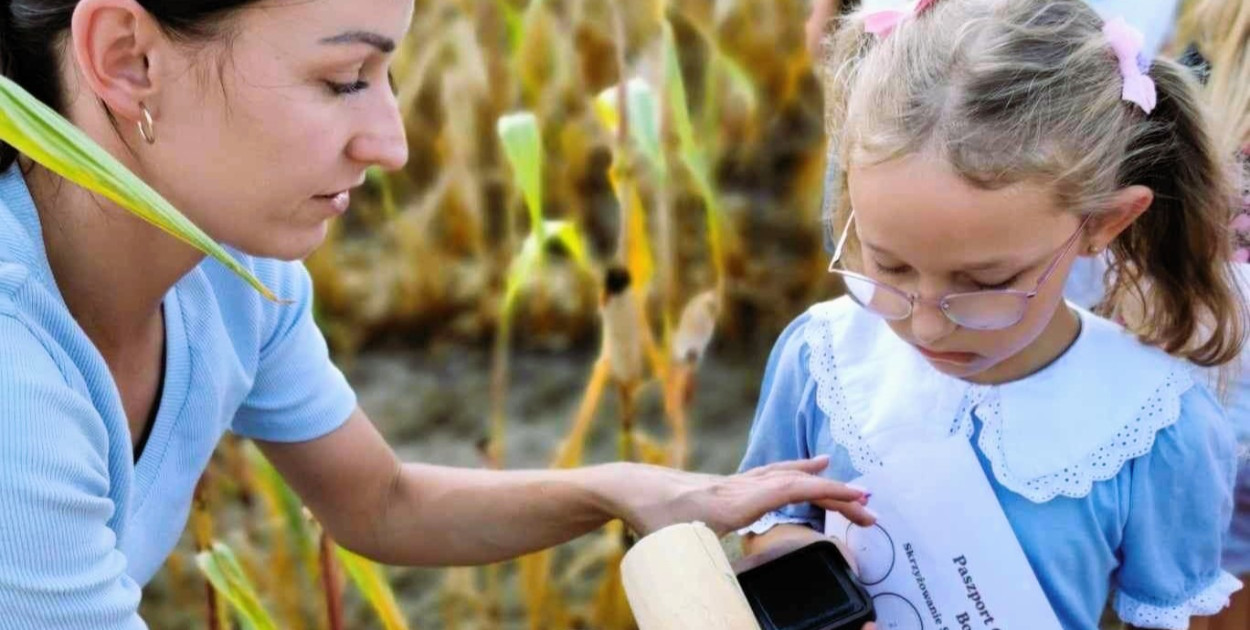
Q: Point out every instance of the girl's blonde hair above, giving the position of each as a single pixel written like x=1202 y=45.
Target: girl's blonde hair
x=1221 y=31
x=1014 y=90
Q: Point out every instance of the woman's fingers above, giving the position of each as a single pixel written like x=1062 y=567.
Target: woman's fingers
x=812 y=465
x=747 y=497
x=800 y=487
x=852 y=510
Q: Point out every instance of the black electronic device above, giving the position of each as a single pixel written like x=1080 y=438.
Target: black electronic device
x=810 y=588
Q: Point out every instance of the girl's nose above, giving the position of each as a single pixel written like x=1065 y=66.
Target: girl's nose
x=929 y=325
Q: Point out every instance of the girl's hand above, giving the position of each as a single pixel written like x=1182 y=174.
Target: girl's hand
x=649 y=498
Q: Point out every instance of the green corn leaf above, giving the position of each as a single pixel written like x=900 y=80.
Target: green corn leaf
x=567 y=233
x=223 y=571
x=529 y=260
x=740 y=81
x=513 y=23
x=523 y=146
x=371 y=582
x=644 y=122
x=644 y=119
x=520 y=271
x=280 y=496
x=47 y=138
x=675 y=87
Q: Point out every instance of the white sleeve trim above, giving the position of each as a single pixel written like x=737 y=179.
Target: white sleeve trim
x=771 y=520
x=1209 y=601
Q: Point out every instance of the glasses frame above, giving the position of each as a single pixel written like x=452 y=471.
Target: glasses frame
x=943 y=302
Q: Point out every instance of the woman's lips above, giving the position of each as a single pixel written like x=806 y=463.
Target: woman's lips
x=956 y=358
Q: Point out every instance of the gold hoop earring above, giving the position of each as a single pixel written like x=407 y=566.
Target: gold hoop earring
x=147 y=128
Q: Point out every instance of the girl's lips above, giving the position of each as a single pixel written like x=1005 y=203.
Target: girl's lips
x=338 y=202
x=957 y=358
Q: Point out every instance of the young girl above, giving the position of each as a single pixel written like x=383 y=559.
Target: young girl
x=986 y=144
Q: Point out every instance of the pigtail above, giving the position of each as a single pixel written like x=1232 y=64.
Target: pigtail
x=1172 y=284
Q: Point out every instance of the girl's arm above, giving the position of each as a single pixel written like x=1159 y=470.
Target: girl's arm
x=780 y=540
x=417 y=514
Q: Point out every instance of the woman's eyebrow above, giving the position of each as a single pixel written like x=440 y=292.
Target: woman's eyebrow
x=381 y=42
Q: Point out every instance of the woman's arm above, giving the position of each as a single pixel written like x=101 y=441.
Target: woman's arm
x=417 y=514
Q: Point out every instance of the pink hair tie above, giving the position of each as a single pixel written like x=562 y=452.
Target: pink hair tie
x=882 y=23
x=1127 y=43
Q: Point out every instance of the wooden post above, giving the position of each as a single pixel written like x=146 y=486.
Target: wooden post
x=679 y=578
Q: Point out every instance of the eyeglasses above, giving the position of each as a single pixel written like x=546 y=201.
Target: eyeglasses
x=978 y=310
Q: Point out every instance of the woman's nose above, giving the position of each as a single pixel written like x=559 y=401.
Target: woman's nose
x=382 y=140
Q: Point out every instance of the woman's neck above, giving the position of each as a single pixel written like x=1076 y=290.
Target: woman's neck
x=112 y=268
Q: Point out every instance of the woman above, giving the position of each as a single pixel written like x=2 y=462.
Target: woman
x=124 y=355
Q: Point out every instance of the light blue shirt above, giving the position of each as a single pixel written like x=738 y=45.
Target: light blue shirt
x=82 y=525
x=1113 y=466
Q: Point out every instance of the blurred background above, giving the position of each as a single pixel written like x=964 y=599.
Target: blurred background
x=609 y=213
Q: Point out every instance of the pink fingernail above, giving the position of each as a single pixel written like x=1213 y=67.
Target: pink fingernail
x=859 y=489
x=874 y=515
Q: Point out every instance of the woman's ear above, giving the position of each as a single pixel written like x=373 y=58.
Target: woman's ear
x=1127 y=204
x=115 y=44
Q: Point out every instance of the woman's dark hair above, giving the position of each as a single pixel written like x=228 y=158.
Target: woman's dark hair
x=31 y=33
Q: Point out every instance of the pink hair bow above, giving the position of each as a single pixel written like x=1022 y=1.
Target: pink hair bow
x=1127 y=43
x=882 y=23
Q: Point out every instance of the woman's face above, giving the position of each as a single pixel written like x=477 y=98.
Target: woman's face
x=258 y=139
x=926 y=231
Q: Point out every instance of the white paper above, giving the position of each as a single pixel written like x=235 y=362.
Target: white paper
x=942 y=555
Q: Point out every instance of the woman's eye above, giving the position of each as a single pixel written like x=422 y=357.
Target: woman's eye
x=343 y=89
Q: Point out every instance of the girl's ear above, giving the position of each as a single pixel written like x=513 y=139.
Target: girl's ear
x=1127 y=204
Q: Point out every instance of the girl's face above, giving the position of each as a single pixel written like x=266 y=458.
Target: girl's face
x=259 y=138
x=928 y=232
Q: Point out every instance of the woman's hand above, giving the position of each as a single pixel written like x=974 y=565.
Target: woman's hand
x=649 y=498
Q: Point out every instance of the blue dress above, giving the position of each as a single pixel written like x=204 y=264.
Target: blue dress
x=82 y=524
x=1085 y=287
x=1113 y=466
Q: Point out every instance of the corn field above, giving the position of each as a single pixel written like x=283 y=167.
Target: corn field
x=633 y=177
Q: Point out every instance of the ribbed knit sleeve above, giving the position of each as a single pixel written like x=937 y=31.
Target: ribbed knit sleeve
x=298 y=393
x=60 y=568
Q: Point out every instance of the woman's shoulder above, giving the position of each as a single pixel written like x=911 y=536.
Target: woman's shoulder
x=242 y=310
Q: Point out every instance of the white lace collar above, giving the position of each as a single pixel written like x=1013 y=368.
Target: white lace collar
x=1056 y=432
